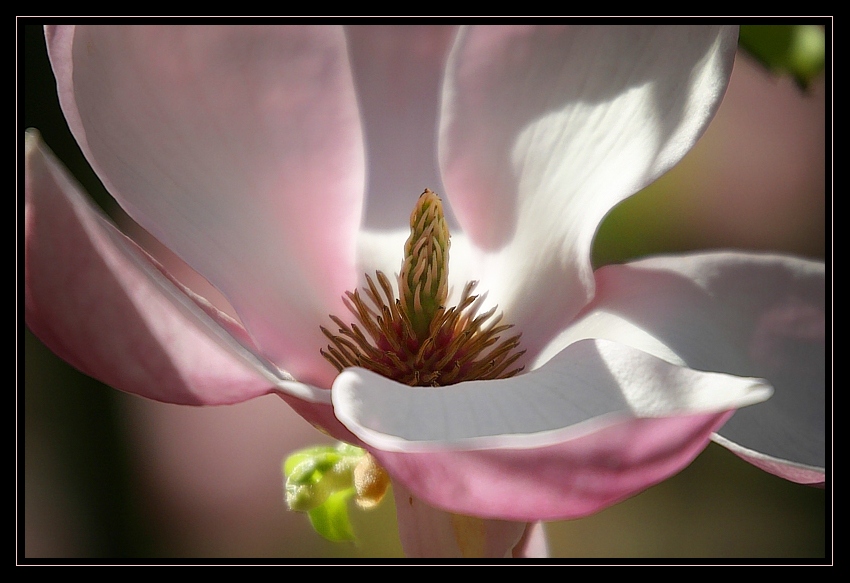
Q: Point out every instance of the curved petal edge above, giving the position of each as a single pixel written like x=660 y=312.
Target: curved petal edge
x=102 y=304
x=792 y=472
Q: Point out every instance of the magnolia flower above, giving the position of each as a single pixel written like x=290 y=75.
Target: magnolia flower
x=281 y=163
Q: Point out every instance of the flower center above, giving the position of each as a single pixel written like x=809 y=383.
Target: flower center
x=414 y=338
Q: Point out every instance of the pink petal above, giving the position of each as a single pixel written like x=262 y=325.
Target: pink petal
x=597 y=423
x=240 y=149
x=545 y=129
x=562 y=481
x=749 y=315
x=430 y=533
x=90 y=300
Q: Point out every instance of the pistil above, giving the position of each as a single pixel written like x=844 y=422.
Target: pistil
x=413 y=337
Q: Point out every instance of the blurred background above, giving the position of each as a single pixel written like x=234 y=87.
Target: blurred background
x=112 y=476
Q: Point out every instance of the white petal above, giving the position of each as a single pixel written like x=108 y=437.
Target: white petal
x=398 y=73
x=544 y=130
x=743 y=314
x=588 y=386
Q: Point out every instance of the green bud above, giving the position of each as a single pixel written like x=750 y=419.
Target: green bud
x=320 y=480
x=316 y=473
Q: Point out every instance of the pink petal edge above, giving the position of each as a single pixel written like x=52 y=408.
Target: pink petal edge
x=240 y=149
x=790 y=471
x=559 y=482
x=94 y=298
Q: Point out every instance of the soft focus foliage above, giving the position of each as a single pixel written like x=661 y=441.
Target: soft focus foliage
x=797 y=50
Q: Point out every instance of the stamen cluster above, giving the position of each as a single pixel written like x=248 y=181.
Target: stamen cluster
x=415 y=339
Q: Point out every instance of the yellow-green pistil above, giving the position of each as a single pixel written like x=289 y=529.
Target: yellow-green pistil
x=413 y=338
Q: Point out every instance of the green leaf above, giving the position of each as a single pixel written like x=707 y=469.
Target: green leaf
x=797 y=50
x=331 y=518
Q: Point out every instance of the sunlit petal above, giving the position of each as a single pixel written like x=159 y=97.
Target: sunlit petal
x=545 y=129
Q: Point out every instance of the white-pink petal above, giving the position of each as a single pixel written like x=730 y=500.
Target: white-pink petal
x=545 y=129
x=240 y=149
x=95 y=300
x=588 y=386
x=745 y=314
x=597 y=423
x=561 y=481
